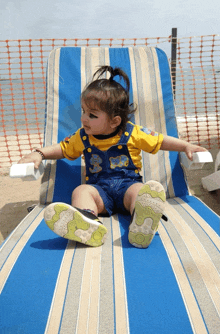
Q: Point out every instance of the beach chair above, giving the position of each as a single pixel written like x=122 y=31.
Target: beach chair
x=51 y=285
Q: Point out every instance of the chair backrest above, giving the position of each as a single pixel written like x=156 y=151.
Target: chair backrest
x=69 y=70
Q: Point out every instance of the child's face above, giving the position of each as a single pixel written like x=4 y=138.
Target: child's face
x=96 y=121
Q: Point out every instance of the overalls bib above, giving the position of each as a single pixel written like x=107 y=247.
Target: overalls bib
x=115 y=162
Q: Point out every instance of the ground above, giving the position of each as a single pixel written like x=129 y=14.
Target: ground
x=16 y=196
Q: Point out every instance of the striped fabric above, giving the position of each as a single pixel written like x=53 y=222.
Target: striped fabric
x=52 y=285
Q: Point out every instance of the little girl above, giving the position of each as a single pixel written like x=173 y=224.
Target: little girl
x=111 y=146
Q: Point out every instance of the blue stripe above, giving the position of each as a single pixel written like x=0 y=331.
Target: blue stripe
x=155 y=304
x=179 y=184
x=120 y=58
x=69 y=121
x=29 y=290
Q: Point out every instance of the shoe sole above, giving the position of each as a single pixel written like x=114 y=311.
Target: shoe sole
x=149 y=207
x=69 y=223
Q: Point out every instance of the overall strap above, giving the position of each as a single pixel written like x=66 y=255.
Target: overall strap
x=126 y=135
x=85 y=138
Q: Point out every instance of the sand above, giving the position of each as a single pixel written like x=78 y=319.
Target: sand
x=17 y=195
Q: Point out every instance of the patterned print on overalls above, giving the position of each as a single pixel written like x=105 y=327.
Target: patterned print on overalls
x=95 y=161
x=115 y=161
x=119 y=161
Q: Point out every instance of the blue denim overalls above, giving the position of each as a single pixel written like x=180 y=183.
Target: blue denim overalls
x=111 y=172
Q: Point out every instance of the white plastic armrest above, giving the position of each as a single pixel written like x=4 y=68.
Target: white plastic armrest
x=26 y=171
x=199 y=159
x=211 y=182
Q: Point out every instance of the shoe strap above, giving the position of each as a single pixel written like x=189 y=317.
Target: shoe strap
x=88 y=213
x=164 y=218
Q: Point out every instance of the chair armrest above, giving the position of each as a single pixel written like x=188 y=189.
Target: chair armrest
x=199 y=159
x=26 y=171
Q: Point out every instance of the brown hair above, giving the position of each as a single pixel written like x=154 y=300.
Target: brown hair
x=109 y=95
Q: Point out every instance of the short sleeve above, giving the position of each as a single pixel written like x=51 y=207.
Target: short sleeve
x=72 y=146
x=146 y=139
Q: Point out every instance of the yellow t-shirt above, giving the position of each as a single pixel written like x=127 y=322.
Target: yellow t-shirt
x=141 y=139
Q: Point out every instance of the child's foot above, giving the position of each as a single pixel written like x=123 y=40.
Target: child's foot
x=75 y=224
x=149 y=207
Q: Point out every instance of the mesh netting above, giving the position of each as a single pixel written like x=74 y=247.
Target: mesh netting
x=22 y=89
x=198 y=90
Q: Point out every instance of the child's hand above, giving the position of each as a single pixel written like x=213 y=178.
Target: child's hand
x=190 y=149
x=34 y=157
x=175 y=144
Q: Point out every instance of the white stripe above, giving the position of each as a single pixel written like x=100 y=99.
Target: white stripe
x=83 y=84
x=88 y=314
x=47 y=188
x=149 y=105
x=159 y=91
x=121 y=308
x=54 y=318
x=169 y=181
x=135 y=92
x=107 y=60
x=190 y=302
x=56 y=97
x=134 y=83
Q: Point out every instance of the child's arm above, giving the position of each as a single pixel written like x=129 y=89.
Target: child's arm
x=50 y=152
x=175 y=144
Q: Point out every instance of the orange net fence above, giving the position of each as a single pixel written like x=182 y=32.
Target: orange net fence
x=196 y=74
x=197 y=90
x=23 y=89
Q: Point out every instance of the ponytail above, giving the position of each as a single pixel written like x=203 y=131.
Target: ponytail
x=113 y=73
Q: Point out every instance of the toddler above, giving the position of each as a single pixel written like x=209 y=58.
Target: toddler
x=111 y=146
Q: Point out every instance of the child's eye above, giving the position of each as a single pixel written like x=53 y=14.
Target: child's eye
x=92 y=116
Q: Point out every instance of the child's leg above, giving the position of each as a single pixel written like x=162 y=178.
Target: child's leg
x=86 y=196
x=131 y=195
x=75 y=223
x=146 y=203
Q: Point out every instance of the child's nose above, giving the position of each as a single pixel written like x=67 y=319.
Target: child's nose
x=84 y=118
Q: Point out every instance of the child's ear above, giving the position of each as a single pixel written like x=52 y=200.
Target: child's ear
x=116 y=121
